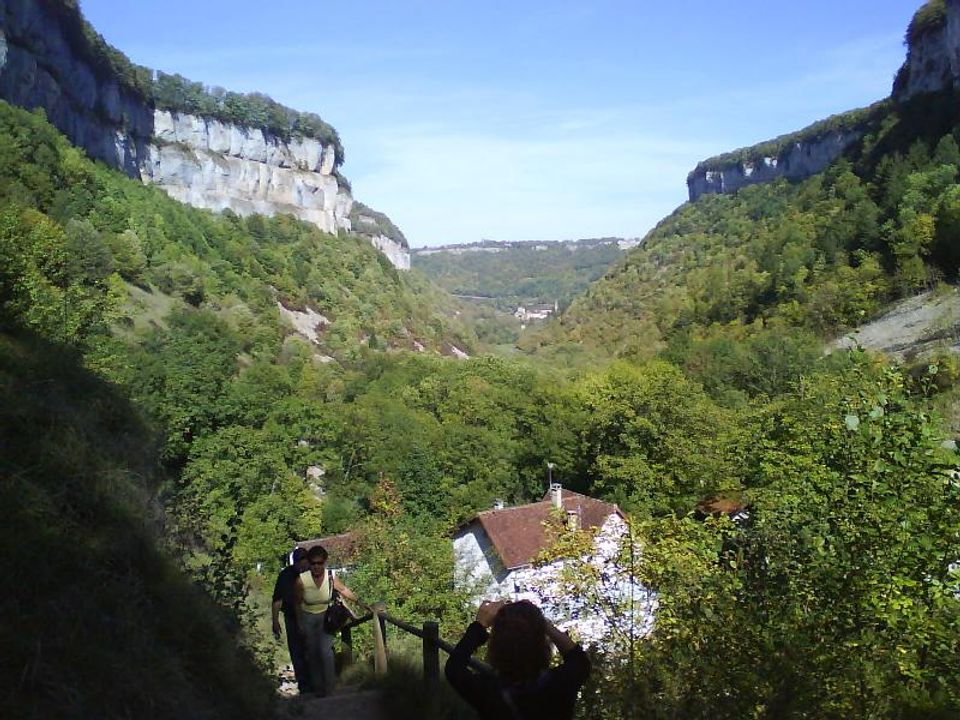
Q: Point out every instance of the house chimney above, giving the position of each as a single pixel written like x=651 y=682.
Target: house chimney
x=498 y=504
x=556 y=495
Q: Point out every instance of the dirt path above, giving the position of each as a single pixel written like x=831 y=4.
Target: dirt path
x=345 y=704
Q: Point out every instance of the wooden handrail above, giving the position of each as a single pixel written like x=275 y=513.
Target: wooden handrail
x=429 y=634
x=478 y=665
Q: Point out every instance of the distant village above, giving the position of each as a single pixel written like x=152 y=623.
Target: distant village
x=540 y=311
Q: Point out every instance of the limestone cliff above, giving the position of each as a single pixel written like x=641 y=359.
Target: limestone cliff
x=381 y=231
x=396 y=253
x=102 y=103
x=792 y=159
x=211 y=164
x=932 y=65
x=43 y=66
x=933 y=51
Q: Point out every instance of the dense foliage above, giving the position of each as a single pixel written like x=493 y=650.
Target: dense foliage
x=821 y=255
x=199 y=408
x=97 y=229
x=838 y=596
x=98 y=621
x=178 y=309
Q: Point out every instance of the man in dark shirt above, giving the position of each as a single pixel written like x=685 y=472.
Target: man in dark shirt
x=283 y=599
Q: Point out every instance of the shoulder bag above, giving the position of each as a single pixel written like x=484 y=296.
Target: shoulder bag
x=337 y=614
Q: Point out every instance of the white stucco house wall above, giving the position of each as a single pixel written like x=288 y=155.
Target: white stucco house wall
x=495 y=554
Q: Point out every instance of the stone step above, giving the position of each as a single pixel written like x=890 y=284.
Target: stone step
x=346 y=703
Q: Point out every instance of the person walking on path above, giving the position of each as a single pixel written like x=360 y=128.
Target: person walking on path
x=523 y=688
x=314 y=594
x=284 y=599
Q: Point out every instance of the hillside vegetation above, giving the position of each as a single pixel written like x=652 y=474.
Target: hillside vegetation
x=99 y=621
x=818 y=256
x=519 y=273
x=166 y=437
x=173 y=310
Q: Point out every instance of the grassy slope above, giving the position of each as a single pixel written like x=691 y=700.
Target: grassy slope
x=99 y=622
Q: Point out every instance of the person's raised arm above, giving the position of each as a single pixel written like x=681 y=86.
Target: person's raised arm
x=573 y=672
x=473 y=688
x=559 y=638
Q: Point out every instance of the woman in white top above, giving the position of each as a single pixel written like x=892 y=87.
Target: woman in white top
x=314 y=594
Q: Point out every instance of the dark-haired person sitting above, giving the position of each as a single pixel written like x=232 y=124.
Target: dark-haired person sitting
x=523 y=687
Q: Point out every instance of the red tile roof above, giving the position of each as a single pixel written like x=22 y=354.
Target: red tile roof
x=340 y=548
x=717 y=505
x=518 y=533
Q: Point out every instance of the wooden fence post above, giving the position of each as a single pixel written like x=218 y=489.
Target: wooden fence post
x=346 y=637
x=431 y=656
x=379 y=644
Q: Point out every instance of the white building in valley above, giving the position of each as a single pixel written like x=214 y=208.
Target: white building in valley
x=595 y=593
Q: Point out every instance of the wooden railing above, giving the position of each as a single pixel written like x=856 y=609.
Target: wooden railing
x=429 y=634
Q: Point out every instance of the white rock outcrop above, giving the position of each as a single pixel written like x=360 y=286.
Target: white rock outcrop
x=917 y=326
x=799 y=160
x=309 y=324
x=215 y=165
x=396 y=253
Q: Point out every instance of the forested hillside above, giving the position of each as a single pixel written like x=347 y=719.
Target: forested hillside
x=167 y=436
x=519 y=273
x=494 y=279
x=174 y=309
x=817 y=256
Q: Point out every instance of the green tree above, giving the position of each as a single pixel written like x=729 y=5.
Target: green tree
x=651 y=437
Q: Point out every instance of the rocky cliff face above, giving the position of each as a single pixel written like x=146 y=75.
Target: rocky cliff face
x=200 y=161
x=933 y=57
x=396 y=253
x=933 y=65
x=215 y=165
x=39 y=68
x=385 y=236
x=799 y=160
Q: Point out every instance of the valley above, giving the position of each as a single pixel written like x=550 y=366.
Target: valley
x=210 y=351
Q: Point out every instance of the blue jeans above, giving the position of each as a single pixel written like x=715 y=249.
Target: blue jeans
x=319 y=646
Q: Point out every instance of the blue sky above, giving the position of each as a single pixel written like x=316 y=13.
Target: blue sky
x=528 y=120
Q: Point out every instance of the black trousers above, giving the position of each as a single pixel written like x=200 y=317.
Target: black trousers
x=298 y=653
